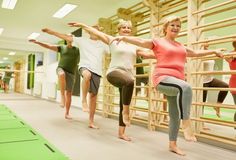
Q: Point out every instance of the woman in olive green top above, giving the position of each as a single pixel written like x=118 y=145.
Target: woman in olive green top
x=6 y=79
x=69 y=58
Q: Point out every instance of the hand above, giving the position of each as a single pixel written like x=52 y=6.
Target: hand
x=75 y=24
x=47 y=30
x=32 y=40
x=118 y=39
x=219 y=52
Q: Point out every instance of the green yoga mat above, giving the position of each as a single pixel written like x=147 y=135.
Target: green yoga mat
x=9 y=124
x=29 y=150
x=7 y=117
x=18 y=141
x=17 y=134
x=5 y=112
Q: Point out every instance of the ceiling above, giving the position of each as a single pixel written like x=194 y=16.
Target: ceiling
x=33 y=15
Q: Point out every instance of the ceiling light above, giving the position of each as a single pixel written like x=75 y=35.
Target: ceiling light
x=12 y=53
x=33 y=35
x=9 y=4
x=62 y=12
x=5 y=58
x=1 y=30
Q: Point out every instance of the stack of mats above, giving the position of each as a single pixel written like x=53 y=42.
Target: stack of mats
x=18 y=141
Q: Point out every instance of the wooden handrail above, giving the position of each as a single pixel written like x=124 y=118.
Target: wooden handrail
x=213 y=7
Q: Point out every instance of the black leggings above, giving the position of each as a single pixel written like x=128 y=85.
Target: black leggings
x=216 y=83
x=124 y=80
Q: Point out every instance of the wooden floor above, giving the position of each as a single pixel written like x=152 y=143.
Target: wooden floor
x=78 y=142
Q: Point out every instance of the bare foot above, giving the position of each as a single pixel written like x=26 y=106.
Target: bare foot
x=68 y=117
x=189 y=135
x=217 y=111
x=176 y=150
x=85 y=107
x=124 y=137
x=93 y=126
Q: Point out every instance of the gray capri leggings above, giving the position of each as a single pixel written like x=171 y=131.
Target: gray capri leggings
x=179 y=97
x=124 y=80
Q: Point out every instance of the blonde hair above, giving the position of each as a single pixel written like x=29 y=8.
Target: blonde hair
x=168 y=20
x=124 y=23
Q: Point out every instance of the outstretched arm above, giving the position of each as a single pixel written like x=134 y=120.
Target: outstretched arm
x=145 y=43
x=45 y=45
x=200 y=53
x=147 y=54
x=102 y=36
x=57 y=34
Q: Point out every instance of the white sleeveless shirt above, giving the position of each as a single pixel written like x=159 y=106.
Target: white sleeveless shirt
x=123 y=55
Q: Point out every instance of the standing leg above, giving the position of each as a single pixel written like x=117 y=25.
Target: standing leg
x=174 y=124
x=92 y=104
x=121 y=122
x=222 y=94
x=127 y=91
x=62 y=81
x=68 y=104
x=124 y=80
x=173 y=87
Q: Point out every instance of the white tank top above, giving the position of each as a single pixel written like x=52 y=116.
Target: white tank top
x=208 y=66
x=122 y=55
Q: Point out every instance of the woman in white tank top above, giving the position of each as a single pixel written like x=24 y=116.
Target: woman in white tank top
x=120 y=72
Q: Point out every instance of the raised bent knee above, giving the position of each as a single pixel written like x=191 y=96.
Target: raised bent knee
x=130 y=82
x=86 y=75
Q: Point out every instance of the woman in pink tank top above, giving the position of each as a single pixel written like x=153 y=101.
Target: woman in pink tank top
x=168 y=76
x=232 y=80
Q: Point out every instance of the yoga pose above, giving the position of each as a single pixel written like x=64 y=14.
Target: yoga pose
x=232 y=81
x=210 y=81
x=120 y=72
x=69 y=58
x=168 y=76
x=90 y=67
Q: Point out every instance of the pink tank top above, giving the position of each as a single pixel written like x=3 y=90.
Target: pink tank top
x=232 y=81
x=171 y=57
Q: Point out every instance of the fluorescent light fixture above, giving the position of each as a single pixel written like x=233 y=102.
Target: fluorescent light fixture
x=12 y=53
x=5 y=58
x=1 y=30
x=9 y=4
x=33 y=35
x=62 y=12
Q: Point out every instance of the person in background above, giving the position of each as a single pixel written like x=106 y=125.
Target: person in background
x=67 y=65
x=232 y=81
x=7 y=77
x=210 y=81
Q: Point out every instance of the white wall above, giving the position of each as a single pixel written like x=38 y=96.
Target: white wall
x=46 y=75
